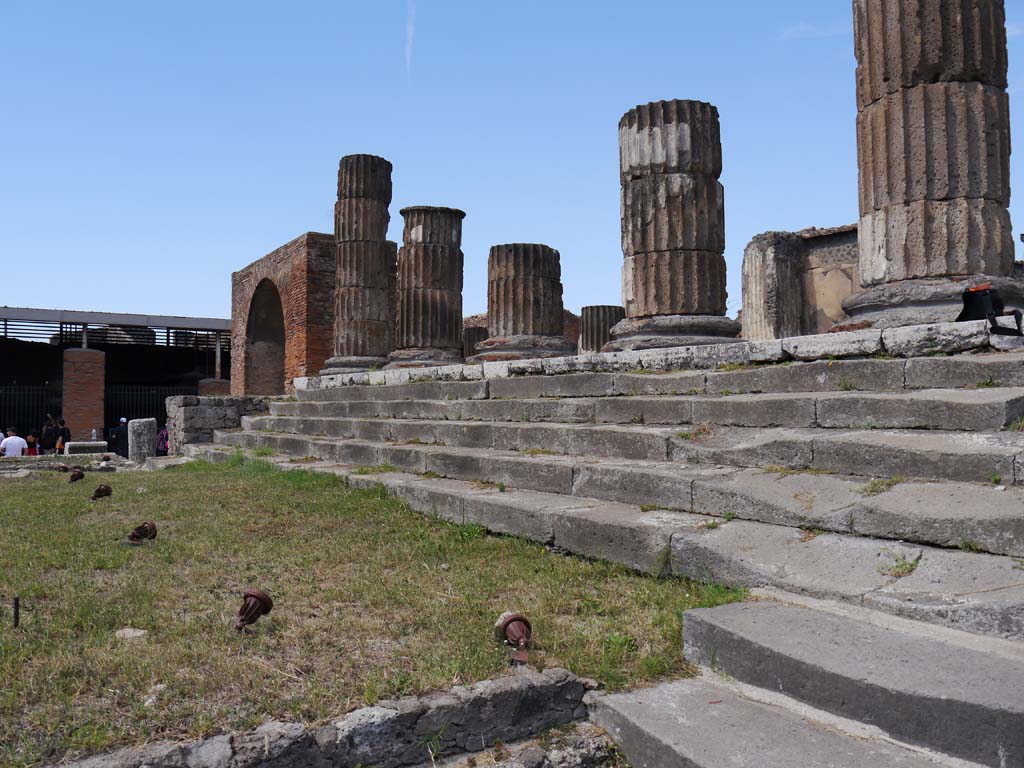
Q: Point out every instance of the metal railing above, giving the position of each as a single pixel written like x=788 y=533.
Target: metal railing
x=140 y=401
x=70 y=334
x=25 y=406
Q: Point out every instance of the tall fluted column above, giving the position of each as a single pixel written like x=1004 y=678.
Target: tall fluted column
x=428 y=328
x=362 y=306
x=673 y=228
x=933 y=147
x=524 y=304
x=596 y=324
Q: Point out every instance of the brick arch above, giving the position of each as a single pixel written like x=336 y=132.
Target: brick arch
x=265 y=341
x=302 y=272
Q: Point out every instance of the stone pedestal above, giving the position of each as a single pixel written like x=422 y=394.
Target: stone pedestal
x=596 y=324
x=933 y=147
x=141 y=439
x=524 y=304
x=362 y=301
x=428 y=327
x=673 y=228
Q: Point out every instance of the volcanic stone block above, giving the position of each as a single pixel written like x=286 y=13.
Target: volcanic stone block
x=904 y=43
x=432 y=225
x=773 y=295
x=935 y=142
x=431 y=266
x=674 y=283
x=364 y=176
x=673 y=211
x=595 y=326
x=470 y=338
x=670 y=137
x=362 y=331
x=361 y=218
x=364 y=264
x=935 y=239
x=141 y=439
x=428 y=317
x=524 y=304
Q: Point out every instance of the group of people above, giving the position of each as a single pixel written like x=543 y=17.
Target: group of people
x=49 y=440
x=55 y=434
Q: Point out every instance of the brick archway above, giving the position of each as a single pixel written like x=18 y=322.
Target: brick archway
x=265 y=341
x=301 y=274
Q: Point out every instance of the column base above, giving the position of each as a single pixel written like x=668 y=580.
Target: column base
x=352 y=365
x=423 y=357
x=524 y=347
x=660 y=331
x=922 y=301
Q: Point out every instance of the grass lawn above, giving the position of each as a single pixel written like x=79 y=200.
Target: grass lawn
x=371 y=599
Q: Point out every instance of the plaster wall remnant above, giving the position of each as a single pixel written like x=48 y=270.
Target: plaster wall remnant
x=794 y=283
x=933 y=148
x=673 y=228
x=524 y=304
x=596 y=323
x=363 y=301
x=428 y=328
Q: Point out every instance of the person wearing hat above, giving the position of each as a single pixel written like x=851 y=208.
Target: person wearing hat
x=119 y=437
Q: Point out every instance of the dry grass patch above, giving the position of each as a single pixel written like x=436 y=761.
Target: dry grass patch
x=371 y=600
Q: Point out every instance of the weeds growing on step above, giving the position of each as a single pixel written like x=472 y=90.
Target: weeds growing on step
x=877 y=486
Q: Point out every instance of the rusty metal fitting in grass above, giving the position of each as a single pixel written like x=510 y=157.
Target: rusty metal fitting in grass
x=515 y=630
x=255 y=603
x=101 y=491
x=76 y=475
x=63 y=468
x=142 y=533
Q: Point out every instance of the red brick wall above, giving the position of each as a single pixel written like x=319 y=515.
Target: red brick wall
x=84 y=383
x=303 y=273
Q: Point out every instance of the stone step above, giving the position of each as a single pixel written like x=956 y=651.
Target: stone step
x=977 y=410
x=973 y=591
x=924 y=454
x=971 y=516
x=1004 y=369
x=933 y=690
x=708 y=723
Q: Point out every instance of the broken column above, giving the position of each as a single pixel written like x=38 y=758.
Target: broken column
x=673 y=228
x=362 y=306
x=596 y=323
x=428 y=328
x=933 y=146
x=524 y=304
x=141 y=439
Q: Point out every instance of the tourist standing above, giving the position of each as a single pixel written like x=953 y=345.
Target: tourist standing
x=12 y=445
x=119 y=437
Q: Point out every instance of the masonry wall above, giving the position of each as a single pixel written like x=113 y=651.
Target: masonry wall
x=794 y=282
x=84 y=385
x=302 y=271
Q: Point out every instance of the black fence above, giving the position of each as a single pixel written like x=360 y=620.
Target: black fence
x=139 y=401
x=24 y=406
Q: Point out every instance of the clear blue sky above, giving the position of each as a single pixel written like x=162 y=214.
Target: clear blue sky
x=147 y=150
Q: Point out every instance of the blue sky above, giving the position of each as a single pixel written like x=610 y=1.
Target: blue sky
x=148 y=150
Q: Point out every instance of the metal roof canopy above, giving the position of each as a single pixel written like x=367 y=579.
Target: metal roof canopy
x=114 y=318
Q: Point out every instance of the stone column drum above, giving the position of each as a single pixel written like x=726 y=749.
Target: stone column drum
x=362 y=305
x=524 y=304
x=428 y=328
x=933 y=150
x=141 y=439
x=673 y=228
x=596 y=323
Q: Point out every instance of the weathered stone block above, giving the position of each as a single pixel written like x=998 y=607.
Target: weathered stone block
x=141 y=439
x=674 y=283
x=364 y=176
x=673 y=211
x=357 y=219
x=670 y=137
x=429 y=224
x=923 y=340
x=828 y=345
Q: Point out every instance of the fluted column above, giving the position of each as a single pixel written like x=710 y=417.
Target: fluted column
x=933 y=151
x=428 y=328
x=673 y=227
x=596 y=323
x=524 y=304
x=362 y=306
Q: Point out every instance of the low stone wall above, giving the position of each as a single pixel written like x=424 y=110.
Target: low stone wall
x=908 y=341
x=193 y=418
x=389 y=735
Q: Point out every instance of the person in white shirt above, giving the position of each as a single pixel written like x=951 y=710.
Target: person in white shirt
x=12 y=445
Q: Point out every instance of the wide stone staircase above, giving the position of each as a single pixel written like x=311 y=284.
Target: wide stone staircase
x=874 y=506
